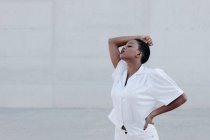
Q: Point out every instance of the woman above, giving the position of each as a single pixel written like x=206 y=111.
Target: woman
x=139 y=93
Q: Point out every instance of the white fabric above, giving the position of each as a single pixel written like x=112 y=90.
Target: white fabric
x=149 y=134
x=145 y=91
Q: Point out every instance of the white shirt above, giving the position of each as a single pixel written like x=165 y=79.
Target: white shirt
x=145 y=90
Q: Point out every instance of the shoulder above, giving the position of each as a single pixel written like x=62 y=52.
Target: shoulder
x=154 y=71
x=159 y=76
x=156 y=74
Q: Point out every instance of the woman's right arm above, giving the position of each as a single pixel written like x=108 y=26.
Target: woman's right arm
x=115 y=43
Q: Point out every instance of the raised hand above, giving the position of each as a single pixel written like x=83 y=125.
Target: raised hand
x=147 y=39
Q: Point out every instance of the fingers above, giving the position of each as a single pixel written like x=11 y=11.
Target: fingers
x=149 y=43
x=148 y=120
x=146 y=123
x=147 y=40
x=145 y=126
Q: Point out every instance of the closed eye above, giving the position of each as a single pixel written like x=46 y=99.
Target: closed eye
x=129 y=46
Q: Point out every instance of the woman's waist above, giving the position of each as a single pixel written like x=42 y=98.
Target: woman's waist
x=136 y=129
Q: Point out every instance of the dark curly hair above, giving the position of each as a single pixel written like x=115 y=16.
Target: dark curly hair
x=144 y=48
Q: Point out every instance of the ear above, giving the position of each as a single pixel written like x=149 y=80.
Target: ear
x=139 y=54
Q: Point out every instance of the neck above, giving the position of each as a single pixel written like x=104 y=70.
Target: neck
x=133 y=67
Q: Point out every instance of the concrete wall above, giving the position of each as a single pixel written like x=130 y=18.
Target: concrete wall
x=53 y=53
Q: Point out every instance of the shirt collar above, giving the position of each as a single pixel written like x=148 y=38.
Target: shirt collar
x=140 y=70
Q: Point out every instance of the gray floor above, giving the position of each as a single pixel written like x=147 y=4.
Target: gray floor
x=93 y=124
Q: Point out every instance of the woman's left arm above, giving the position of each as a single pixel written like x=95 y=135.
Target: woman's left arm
x=174 y=104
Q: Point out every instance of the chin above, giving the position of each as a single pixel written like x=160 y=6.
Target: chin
x=122 y=57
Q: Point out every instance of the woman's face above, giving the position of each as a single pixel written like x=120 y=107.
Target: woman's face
x=130 y=50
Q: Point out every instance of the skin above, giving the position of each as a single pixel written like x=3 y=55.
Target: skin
x=132 y=56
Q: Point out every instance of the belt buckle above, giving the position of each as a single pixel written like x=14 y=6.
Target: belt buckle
x=123 y=128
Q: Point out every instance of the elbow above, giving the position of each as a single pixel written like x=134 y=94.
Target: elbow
x=110 y=41
x=179 y=101
x=184 y=98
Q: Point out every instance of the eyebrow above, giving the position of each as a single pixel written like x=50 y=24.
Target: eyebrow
x=131 y=43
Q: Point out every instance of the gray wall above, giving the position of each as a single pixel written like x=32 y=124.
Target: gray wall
x=53 y=53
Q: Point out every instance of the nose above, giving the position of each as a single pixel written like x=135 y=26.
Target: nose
x=124 y=47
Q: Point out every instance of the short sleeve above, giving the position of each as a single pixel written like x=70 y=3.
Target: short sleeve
x=163 y=88
x=121 y=66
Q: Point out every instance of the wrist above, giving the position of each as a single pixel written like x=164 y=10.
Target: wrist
x=141 y=37
x=152 y=114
